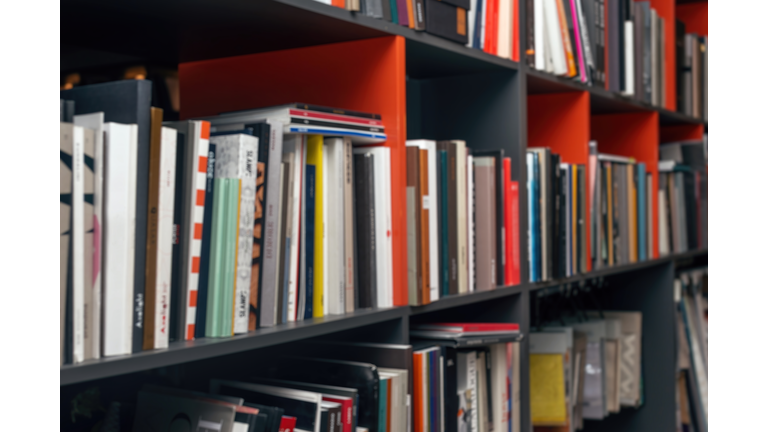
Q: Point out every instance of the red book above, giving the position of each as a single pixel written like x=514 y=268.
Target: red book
x=515 y=23
x=490 y=45
x=514 y=249
x=287 y=424
x=469 y=327
x=417 y=393
x=346 y=411
x=507 y=221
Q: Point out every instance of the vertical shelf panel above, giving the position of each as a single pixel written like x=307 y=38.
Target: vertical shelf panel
x=316 y=75
x=633 y=135
x=560 y=121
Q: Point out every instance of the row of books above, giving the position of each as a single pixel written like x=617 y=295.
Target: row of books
x=692 y=56
x=585 y=370
x=557 y=212
x=487 y=25
x=463 y=228
x=621 y=211
x=691 y=293
x=433 y=385
x=683 y=214
x=172 y=231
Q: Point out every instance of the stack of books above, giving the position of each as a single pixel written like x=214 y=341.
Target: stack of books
x=585 y=370
x=214 y=227
x=463 y=225
x=682 y=197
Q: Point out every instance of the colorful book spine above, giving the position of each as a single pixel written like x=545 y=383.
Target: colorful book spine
x=249 y=151
x=515 y=247
x=197 y=194
x=508 y=221
x=315 y=158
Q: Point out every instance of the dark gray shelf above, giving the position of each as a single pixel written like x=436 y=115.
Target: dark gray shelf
x=183 y=352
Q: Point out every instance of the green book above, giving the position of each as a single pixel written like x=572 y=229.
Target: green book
x=383 y=402
x=222 y=265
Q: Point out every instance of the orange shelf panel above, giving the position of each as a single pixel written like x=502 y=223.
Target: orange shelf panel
x=632 y=135
x=695 y=16
x=323 y=75
x=681 y=133
x=560 y=121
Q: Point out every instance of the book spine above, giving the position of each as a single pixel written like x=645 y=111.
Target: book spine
x=453 y=230
x=65 y=239
x=508 y=222
x=461 y=202
x=413 y=216
x=566 y=37
x=176 y=326
x=309 y=242
x=78 y=245
x=263 y=132
x=315 y=157
x=403 y=17
x=298 y=181
x=268 y=268
x=514 y=199
x=248 y=158
x=641 y=213
x=365 y=235
x=444 y=226
x=432 y=207
x=395 y=15
x=150 y=275
x=419 y=15
x=530 y=44
x=470 y=224
x=91 y=311
x=529 y=231
x=424 y=221
x=200 y=296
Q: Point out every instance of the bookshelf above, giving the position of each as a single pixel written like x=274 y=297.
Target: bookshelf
x=424 y=87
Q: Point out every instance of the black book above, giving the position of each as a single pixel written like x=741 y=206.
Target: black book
x=556 y=216
x=177 y=257
x=325 y=421
x=614 y=57
x=446 y=21
x=453 y=218
x=498 y=156
x=622 y=18
x=163 y=411
x=563 y=229
x=450 y=388
x=550 y=220
x=333 y=422
x=691 y=211
x=269 y=416
x=365 y=236
x=530 y=41
x=127 y=102
x=361 y=376
x=205 y=250
x=66 y=110
x=680 y=63
x=582 y=215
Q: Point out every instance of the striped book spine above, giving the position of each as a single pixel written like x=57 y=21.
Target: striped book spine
x=195 y=234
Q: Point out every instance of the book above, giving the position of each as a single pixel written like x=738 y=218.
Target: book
x=433 y=210
x=315 y=158
x=126 y=102
x=334 y=202
x=201 y=296
x=444 y=20
x=365 y=211
x=413 y=216
x=120 y=236
x=158 y=411
x=484 y=171
x=93 y=227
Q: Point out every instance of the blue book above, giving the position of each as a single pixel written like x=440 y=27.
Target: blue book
x=444 y=256
x=383 y=402
x=641 y=213
x=477 y=43
x=536 y=232
x=309 y=239
x=393 y=8
x=205 y=249
x=529 y=184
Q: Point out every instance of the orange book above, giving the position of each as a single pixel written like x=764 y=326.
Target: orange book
x=491 y=42
x=566 y=40
x=411 y=17
x=424 y=190
x=339 y=3
x=418 y=420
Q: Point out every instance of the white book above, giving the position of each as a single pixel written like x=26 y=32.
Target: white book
x=538 y=36
x=95 y=121
x=334 y=197
x=629 y=59
x=165 y=236
x=505 y=29
x=499 y=393
x=78 y=244
x=383 y=203
x=120 y=151
x=236 y=158
x=196 y=148
x=471 y=22
x=430 y=204
x=348 y=226
x=461 y=202
x=327 y=259
x=295 y=234
x=554 y=37
x=470 y=224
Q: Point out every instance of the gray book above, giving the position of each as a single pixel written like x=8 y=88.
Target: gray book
x=646 y=6
x=615 y=24
x=681 y=213
x=485 y=222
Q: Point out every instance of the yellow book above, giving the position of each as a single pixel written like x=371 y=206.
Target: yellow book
x=315 y=157
x=547 y=381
